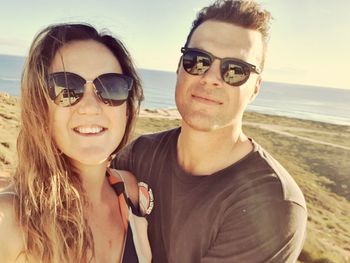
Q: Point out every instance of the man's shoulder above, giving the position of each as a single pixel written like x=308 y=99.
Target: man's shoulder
x=139 y=152
x=289 y=188
x=162 y=137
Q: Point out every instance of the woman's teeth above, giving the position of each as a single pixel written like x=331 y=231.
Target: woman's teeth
x=87 y=130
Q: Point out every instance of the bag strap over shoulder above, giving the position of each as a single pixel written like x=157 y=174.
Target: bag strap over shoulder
x=120 y=174
x=145 y=200
x=116 y=177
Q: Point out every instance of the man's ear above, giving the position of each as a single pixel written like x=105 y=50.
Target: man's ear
x=256 y=89
x=178 y=65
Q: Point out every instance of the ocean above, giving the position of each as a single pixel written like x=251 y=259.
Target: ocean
x=298 y=101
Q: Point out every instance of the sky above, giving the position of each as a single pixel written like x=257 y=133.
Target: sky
x=309 y=44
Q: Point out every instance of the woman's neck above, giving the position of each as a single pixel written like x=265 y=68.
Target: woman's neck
x=95 y=182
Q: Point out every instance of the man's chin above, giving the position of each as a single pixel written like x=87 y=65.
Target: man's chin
x=201 y=124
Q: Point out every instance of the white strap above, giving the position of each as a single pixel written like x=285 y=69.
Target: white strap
x=6 y=189
x=7 y=193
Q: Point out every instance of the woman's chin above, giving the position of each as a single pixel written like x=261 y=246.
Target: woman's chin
x=92 y=160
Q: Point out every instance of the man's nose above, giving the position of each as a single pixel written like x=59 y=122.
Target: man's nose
x=213 y=75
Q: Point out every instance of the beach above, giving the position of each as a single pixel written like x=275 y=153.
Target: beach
x=316 y=154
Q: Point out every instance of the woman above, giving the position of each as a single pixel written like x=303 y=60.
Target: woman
x=80 y=95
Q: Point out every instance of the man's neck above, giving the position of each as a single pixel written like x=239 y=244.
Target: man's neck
x=206 y=152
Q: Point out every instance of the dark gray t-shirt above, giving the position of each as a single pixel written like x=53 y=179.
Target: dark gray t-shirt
x=252 y=211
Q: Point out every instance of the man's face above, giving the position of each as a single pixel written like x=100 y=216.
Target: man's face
x=206 y=102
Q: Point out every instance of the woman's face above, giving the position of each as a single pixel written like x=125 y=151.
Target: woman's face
x=89 y=131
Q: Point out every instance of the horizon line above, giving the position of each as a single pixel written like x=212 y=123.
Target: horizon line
x=264 y=80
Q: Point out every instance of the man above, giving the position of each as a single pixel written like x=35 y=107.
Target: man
x=218 y=196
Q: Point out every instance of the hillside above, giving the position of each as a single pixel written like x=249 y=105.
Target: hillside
x=316 y=154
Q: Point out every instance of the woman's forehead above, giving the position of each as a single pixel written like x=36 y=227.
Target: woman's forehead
x=85 y=57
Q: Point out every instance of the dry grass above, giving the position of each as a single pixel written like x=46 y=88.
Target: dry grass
x=9 y=125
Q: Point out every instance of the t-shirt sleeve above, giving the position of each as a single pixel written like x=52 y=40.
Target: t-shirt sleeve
x=124 y=159
x=269 y=232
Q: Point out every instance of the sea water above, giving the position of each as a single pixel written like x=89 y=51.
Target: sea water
x=300 y=101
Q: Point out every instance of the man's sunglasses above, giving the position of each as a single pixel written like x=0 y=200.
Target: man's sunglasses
x=66 y=88
x=234 y=72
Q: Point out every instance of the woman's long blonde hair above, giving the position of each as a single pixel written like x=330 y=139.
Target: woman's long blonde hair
x=51 y=198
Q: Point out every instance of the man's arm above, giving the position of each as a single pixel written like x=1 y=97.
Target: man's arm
x=272 y=232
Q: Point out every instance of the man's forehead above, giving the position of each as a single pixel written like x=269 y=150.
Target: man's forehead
x=226 y=39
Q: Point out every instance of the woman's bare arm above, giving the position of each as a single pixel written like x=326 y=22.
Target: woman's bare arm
x=11 y=242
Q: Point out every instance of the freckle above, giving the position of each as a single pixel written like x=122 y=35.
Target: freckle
x=110 y=243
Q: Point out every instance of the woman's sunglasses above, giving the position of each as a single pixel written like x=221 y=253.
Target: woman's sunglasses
x=234 y=72
x=66 y=88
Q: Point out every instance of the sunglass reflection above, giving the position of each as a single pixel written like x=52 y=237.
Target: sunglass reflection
x=66 y=88
x=234 y=72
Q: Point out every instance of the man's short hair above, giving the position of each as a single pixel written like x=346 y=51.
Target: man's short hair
x=245 y=13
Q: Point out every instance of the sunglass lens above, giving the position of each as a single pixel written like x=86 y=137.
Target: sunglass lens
x=233 y=73
x=196 y=62
x=113 y=88
x=65 y=89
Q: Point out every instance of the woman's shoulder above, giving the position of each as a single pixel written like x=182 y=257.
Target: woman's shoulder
x=11 y=242
x=7 y=199
x=11 y=236
x=7 y=212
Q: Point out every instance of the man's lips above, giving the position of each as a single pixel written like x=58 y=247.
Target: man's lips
x=205 y=99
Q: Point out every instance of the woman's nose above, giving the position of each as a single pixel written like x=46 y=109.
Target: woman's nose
x=89 y=103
